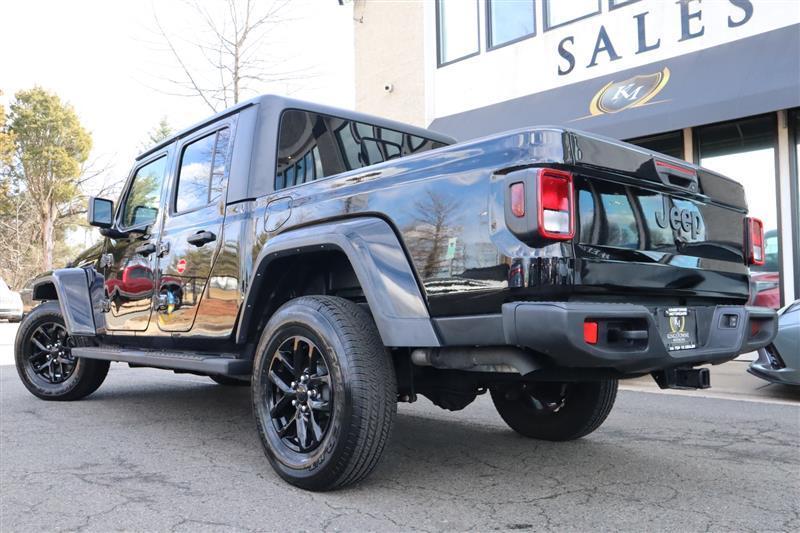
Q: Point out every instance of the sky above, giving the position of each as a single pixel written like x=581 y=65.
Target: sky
x=106 y=59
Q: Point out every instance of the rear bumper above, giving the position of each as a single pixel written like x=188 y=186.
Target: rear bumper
x=555 y=329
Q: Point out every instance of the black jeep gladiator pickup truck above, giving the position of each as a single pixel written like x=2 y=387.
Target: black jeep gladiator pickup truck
x=339 y=263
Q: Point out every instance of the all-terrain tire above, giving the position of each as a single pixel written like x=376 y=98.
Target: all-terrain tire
x=361 y=392
x=86 y=374
x=581 y=409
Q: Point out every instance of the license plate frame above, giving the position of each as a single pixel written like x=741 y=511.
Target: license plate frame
x=678 y=328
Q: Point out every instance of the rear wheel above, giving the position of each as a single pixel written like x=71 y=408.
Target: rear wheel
x=555 y=411
x=324 y=392
x=43 y=356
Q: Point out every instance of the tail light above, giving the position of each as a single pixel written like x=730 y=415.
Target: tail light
x=555 y=204
x=540 y=205
x=754 y=230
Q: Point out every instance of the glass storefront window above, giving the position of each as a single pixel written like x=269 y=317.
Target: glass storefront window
x=796 y=170
x=794 y=183
x=560 y=12
x=744 y=150
x=457 y=29
x=613 y=4
x=510 y=21
x=670 y=143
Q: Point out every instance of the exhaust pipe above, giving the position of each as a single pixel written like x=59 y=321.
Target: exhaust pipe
x=501 y=359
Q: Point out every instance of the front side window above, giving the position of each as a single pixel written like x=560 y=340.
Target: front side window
x=202 y=174
x=560 y=12
x=457 y=28
x=312 y=146
x=510 y=20
x=144 y=195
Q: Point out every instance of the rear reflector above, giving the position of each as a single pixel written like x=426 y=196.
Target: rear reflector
x=518 y=199
x=590 y=332
x=755 y=238
x=556 y=204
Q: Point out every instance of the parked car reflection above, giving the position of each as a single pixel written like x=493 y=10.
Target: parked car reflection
x=137 y=283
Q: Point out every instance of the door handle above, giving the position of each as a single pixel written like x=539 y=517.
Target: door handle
x=201 y=237
x=145 y=249
x=163 y=248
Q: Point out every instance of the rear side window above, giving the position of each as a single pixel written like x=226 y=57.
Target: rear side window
x=201 y=180
x=313 y=146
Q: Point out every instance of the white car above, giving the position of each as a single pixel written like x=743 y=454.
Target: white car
x=10 y=303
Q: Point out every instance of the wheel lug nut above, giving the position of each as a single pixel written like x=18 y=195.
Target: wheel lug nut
x=294 y=403
x=294 y=384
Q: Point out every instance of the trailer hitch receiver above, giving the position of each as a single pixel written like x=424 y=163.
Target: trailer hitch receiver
x=683 y=378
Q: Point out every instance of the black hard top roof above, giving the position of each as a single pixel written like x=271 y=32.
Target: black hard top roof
x=282 y=102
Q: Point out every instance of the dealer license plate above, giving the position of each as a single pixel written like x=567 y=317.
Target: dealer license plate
x=678 y=328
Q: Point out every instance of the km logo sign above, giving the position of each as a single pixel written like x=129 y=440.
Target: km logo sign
x=633 y=92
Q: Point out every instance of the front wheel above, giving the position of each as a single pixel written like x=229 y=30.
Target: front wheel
x=324 y=392
x=43 y=356
x=555 y=411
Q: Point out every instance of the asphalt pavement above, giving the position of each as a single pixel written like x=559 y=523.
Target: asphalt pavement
x=154 y=451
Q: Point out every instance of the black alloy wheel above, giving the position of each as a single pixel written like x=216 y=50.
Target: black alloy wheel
x=44 y=360
x=324 y=392
x=49 y=353
x=299 y=394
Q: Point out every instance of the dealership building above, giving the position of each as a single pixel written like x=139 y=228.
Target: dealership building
x=714 y=82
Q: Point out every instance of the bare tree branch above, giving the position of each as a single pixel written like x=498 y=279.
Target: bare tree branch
x=183 y=66
x=229 y=49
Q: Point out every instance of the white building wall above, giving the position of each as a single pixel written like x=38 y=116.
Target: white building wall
x=532 y=65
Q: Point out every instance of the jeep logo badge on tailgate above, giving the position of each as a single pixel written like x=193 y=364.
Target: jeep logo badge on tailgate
x=684 y=220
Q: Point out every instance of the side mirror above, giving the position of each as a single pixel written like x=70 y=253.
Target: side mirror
x=101 y=212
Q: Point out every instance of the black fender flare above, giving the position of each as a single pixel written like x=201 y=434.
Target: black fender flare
x=381 y=266
x=78 y=292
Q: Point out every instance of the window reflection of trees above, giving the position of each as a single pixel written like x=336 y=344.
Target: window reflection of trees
x=434 y=221
x=202 y=174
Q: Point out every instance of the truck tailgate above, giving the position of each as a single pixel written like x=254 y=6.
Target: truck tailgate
x=652 y=224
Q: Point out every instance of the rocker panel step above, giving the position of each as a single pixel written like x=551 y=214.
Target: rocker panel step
x=223 y=364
